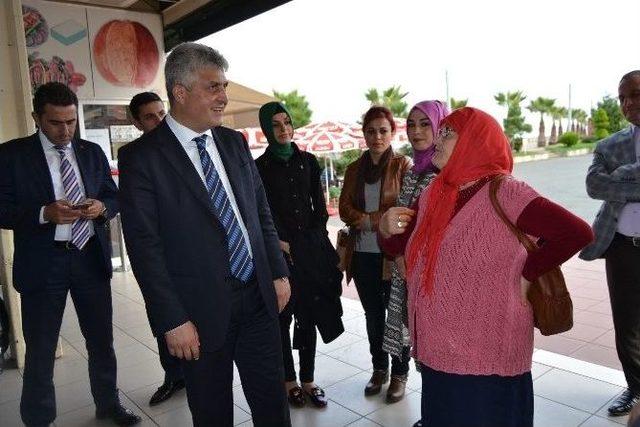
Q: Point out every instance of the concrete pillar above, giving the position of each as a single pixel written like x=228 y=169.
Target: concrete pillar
x=15 y=121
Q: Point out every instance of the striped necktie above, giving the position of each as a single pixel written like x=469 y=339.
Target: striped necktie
x=79 y=227
x=240 y=262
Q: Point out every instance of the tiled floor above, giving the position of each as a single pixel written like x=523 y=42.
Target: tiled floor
x=576 y=374
x=563 y=397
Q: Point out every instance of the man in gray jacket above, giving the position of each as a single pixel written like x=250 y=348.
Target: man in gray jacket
x=614 y=178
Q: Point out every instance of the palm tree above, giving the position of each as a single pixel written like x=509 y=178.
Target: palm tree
x=557 y=113
x=543 y=106
x=514 y=124
x=457 y=103
x=580 y=117
x=391 y=98
x=509 y=99
x=563 y=113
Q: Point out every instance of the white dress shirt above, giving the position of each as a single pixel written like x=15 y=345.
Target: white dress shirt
x=629 y=218
x=185 y=137
x=63 y=231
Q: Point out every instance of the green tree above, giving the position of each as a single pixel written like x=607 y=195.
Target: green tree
x=346 y=158
x=514 y=124
x=392 y=98
x=543 y=106
x=601 y=124
x=612 y=108
x=297 y=105
x=457 y=103
x=569 y=139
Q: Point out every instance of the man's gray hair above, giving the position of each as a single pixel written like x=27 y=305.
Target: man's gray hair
x=634 y=73
x=185 y=60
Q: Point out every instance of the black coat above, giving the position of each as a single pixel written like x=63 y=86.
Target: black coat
x=176 y=244
x=26 y=186
x=300 y=214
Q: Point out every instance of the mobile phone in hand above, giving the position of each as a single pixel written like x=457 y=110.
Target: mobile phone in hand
x=81 y=205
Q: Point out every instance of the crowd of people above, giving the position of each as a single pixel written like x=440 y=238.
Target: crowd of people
x=229 y=252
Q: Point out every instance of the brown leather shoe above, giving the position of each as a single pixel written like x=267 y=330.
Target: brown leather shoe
x=396 y=389
x=374 y=385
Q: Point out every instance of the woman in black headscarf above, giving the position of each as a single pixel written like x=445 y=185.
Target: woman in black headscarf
x=292 y=183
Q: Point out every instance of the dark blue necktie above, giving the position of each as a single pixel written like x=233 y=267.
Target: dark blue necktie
x=240 y=262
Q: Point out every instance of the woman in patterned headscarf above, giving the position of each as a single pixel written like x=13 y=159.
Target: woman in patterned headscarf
x=423 y=124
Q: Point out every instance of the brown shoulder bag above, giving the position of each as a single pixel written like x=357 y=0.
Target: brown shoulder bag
x=548 y=294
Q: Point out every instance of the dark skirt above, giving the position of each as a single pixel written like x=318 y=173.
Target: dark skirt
x=451 y=400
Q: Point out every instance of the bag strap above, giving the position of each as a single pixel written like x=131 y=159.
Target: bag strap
x=494 y=185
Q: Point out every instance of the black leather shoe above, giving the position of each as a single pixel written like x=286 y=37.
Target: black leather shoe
x=417 y=423
x=374 y=385
x=165 y=391
x=623 y=404
x=296 y=397
x=119 y=415
x=317 y=397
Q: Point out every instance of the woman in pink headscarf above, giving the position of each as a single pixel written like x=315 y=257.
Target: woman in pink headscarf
x=423 y=124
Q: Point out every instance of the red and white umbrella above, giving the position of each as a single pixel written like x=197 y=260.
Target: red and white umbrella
x=398 y=140
x=326 y=137
x=255 y=137
x=324 y=142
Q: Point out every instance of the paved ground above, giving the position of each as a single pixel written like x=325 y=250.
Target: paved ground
x=567 y=393
x=576 y=374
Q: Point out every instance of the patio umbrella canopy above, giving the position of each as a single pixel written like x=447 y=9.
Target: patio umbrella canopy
x=398 y=140
x=326 y=138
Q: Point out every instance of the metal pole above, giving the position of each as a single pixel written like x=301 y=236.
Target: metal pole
x=326 y=178
x=331 y=168
x=446 y=83
x=569 y=125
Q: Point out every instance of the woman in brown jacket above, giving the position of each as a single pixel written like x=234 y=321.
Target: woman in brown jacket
x=371 y=186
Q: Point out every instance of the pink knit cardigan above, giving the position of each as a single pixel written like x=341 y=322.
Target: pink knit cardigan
x=474 y=321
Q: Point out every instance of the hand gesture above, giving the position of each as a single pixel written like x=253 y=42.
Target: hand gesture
x=60 y=212
x=94 y=210
x=395 y=220
x=183 y=342
x=283 y=292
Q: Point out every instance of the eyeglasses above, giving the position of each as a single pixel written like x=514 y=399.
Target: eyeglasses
x=446 y=132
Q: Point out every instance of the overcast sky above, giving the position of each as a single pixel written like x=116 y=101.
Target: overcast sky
x=332 y=51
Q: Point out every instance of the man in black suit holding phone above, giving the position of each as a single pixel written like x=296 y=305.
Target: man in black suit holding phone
x=57 y=195
x=203 y=246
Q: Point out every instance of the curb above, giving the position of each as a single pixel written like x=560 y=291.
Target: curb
x=547 y=155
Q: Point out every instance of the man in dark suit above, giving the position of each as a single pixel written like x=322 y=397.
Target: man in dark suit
x=147 y=111
x=203 y=246
x=57 y=195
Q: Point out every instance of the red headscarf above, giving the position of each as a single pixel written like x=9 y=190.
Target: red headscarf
x=482 y=150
